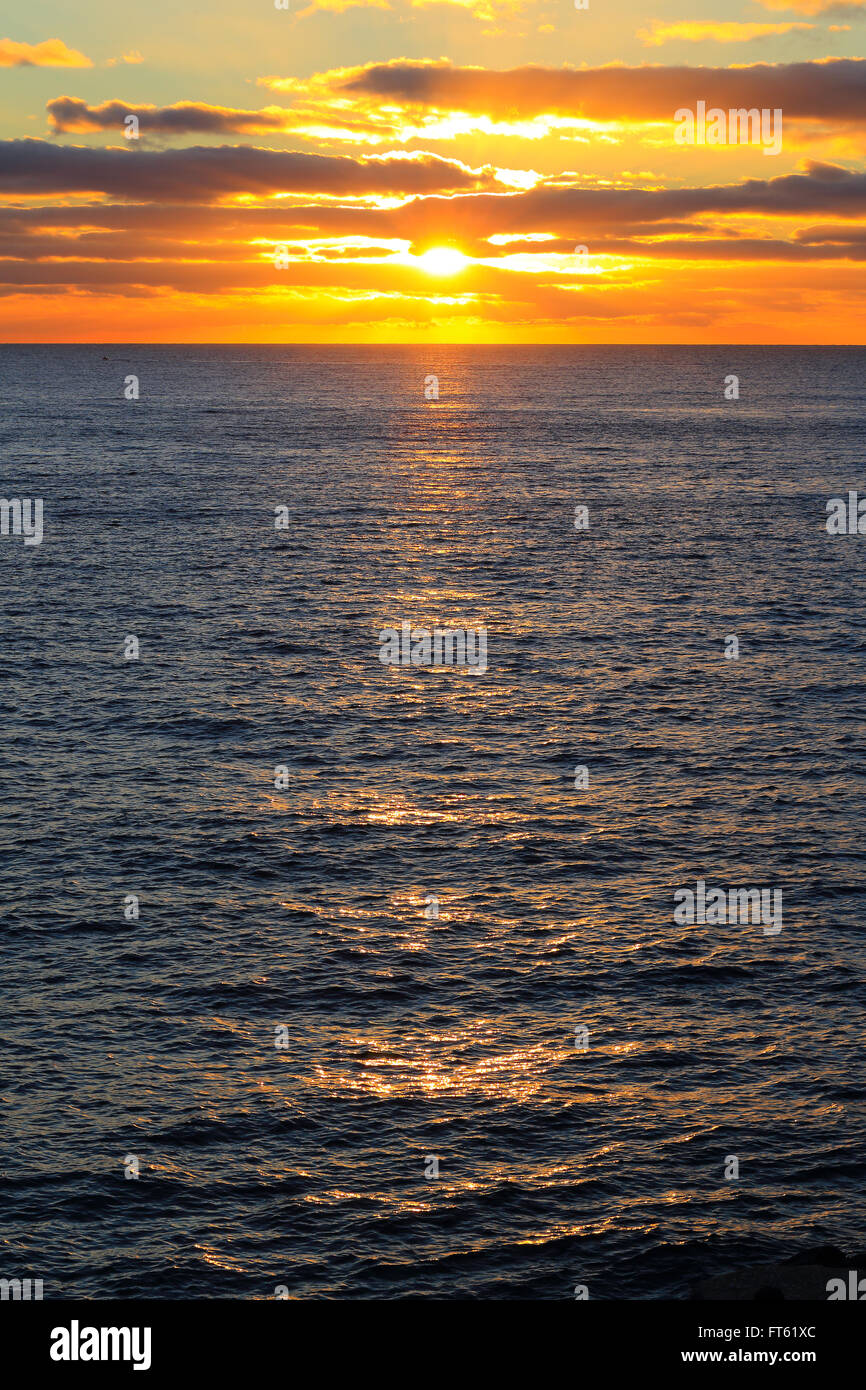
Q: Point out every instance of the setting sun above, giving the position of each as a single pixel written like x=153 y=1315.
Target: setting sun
x=443 y=260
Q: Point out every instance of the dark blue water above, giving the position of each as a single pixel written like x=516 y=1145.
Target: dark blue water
x=409 y=1036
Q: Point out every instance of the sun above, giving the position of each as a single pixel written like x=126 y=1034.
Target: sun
x=443 y=260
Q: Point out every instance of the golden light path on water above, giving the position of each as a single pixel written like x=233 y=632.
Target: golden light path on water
x=390 y=954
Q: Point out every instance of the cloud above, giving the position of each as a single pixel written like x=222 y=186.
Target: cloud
x=52 y=53
x=132 y=57
x=403 y=100
x=71 y=114
x=340 y=6
x=814 y=7
x=204 y=174
x=380 y=104
x=820 y=190
x=569 y=213
x=691 y=32
x=831 y=89
x=486 y=10
x=314 y=121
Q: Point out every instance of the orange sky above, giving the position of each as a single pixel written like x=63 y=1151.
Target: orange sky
x=297 y=177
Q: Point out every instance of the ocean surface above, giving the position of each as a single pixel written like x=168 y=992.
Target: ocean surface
x=409 y=1037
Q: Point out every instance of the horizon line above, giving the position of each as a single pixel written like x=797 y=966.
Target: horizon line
x=432 y=346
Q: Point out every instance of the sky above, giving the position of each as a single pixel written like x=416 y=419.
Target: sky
x=492 y=171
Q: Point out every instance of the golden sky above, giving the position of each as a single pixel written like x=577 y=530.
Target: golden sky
x=433 y=170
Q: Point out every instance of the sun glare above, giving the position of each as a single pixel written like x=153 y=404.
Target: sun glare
x=443 y=260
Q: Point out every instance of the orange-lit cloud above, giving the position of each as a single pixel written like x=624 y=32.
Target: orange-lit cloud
x=340 y=6
x=695 y=32
x=832 y=89
x=51 y=53
x=549 y=212
x=815 y=7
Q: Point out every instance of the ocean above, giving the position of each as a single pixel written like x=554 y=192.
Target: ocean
x=405 y=1011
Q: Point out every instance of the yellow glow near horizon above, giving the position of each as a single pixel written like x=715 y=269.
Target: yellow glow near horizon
x=443 y=260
